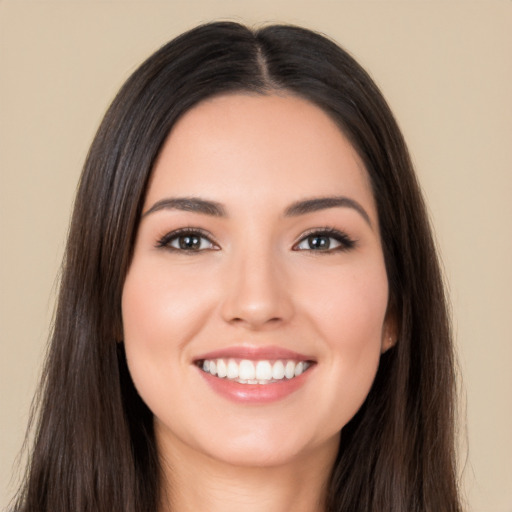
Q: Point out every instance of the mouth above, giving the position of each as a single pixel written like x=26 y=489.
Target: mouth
x=247 y=371
x=255 y=374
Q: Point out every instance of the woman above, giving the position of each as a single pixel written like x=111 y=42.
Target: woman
x=251 y=311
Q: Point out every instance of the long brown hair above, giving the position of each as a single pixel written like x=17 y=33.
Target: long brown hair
x=94 y=447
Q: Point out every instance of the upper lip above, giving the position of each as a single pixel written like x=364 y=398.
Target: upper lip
x=254 y=353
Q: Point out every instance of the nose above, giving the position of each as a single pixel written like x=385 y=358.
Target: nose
x=257 y=294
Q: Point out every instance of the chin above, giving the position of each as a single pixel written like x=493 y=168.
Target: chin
x=268 y=447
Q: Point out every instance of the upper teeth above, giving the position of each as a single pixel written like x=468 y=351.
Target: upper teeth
x=254 y=372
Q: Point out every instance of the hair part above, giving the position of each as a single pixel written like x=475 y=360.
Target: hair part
x=94 y=447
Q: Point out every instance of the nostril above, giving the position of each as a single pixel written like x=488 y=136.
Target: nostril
x=256 y=303
x=253 y=323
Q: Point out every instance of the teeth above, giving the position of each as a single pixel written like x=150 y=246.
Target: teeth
x=289 y=370
x=299 y=368
x=263 y=370
x=278 y=370
x=232 y=370
x=254 y=372
x=222 y=369
x=246 y=370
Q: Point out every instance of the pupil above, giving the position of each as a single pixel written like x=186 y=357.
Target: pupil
x=318 y=242
x=190 y=242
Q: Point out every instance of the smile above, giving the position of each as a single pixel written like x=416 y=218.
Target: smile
x=247 y=371
x=255 y=374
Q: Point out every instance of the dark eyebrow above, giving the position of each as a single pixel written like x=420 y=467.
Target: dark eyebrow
x=322 y=203
x=206 y=207
x=188 y=204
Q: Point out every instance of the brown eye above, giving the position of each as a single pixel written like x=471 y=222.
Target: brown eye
x=325 y=241
x=187 y=241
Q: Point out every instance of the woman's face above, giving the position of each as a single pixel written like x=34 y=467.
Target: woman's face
x=254 y=309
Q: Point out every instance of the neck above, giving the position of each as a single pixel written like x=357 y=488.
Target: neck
x=194 y=482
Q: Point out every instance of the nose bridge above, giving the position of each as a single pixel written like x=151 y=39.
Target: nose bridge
x=256 y=289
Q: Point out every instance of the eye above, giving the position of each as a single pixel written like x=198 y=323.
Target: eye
x=187 y=240
x=325 y=240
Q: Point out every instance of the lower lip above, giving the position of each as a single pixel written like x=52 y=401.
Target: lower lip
x=255 y=393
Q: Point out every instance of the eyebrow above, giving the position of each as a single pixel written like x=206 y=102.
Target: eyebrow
x=188 y=204
x=215 y=209
x=323 y=203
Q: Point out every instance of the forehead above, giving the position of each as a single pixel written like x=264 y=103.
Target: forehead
x=277 y=147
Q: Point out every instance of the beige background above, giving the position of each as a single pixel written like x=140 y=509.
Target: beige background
x=446 y=69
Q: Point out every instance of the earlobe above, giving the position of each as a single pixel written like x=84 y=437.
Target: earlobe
x=389 y=333
x=387 y=343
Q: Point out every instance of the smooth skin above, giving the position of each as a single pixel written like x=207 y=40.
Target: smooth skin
x=255 y=273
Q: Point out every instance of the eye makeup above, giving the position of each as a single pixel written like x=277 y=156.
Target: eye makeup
x=326 y=240
x=187 y=240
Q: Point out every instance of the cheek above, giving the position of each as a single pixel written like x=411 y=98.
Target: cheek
x=161 y=314
x=349 y=307
x=354 y=326
x=348 y=314
x=159 y=309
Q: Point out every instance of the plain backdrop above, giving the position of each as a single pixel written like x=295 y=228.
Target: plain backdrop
x=446 y=70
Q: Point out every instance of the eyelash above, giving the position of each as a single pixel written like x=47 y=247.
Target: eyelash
x=165 y=241
x=345 y=242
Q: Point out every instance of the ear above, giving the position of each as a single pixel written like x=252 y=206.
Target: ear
x=389 y=332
